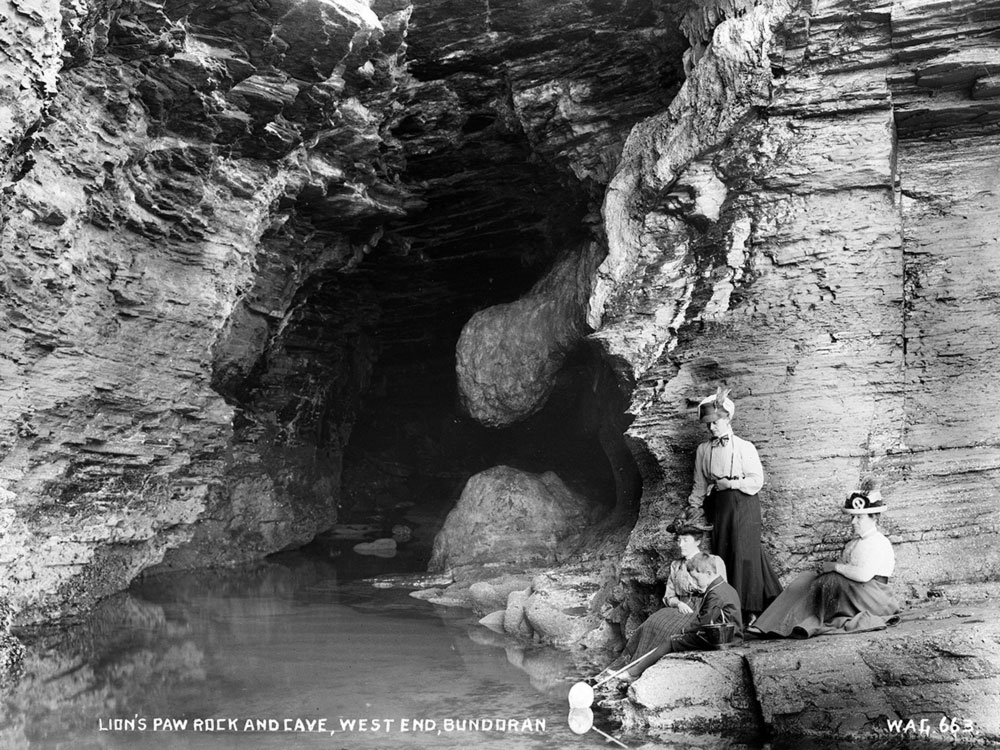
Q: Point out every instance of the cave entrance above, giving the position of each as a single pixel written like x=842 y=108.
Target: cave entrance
x=413 y=449
x=489 y=138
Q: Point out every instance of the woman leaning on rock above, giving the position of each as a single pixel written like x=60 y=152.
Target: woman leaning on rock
x=682 y=599
x=727 y=477
x=849 y=595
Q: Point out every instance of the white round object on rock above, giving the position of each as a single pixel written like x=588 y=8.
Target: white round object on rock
x=581 y=695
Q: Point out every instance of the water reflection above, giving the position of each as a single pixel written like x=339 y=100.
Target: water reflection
x=289 y=640
x=297 y=639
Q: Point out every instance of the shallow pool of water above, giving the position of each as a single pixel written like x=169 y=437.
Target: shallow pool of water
x=291 y=654
x=301 y=652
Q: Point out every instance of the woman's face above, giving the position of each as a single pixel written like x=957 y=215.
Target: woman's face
x=861 y=523
x=719 y=427
x=688 y=545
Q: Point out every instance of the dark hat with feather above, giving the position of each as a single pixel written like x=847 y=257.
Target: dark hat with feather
x=716 y=406
x=867 y=499
x=691 y=522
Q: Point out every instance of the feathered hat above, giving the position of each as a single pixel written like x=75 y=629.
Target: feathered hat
x=717 y=405
x=688 y=523
x=867 y=499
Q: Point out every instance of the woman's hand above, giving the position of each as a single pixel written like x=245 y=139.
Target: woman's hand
x=828 y=567
x=724 y=484
x=684 y=608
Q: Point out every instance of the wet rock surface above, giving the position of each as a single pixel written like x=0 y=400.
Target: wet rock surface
x=939 y=664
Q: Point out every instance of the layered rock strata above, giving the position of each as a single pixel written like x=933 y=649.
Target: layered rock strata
x=217 y=221
x=159 y=238
x=222 y=224
x=805 y=225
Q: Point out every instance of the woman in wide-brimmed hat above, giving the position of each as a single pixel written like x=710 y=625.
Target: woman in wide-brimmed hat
x=846 y=596
x=681 y=597
x=727 y=477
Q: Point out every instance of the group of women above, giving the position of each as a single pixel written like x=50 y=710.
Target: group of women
x=850 y=594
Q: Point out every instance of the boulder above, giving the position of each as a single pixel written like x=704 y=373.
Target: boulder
x=489 y=596
x=940 y=665
x=508 y=355
x=510 y=516
x=378 y=548
x=562 y=609
x=514 y=620
x=494 y=621
x=696 y=692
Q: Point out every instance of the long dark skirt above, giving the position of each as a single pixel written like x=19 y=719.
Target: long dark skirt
x=656 y=631
x=736 y=539
x=829 y=603
x=655 y=635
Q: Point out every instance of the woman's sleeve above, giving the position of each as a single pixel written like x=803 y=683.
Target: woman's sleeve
x=753 y=470
x=670 y=597
x=700 y=486
x=863 y=562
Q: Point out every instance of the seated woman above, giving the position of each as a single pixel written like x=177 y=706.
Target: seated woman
x=681 y=599
x=847 y=596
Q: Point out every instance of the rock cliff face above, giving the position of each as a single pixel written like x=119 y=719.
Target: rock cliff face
x=230 y=231
x=234 y=239
x=156 y=259
x=806 y=224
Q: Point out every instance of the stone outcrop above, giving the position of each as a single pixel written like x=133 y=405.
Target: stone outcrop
x=509 y=516
x=568 y=606
x=694 y=693
x=155 y=255
x=806 y=225
x=508 y=356
x=934 y=676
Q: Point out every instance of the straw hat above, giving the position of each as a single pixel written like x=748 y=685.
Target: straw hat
x=867 y=499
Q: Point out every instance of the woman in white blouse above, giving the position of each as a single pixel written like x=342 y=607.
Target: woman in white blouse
x=846 y=596
x=727 y=477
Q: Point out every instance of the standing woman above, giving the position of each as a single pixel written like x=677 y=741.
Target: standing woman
x=727 y=477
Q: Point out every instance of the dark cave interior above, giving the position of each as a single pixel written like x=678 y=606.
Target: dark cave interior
x=475 y=186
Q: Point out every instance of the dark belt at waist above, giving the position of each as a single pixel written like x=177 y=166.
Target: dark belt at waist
x=881 y=579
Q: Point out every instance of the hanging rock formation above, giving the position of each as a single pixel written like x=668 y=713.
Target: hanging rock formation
x=508 y=356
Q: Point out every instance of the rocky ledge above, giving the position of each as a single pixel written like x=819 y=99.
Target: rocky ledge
x=935 y=676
